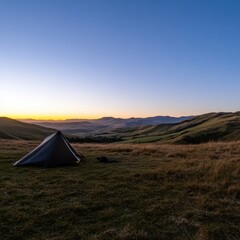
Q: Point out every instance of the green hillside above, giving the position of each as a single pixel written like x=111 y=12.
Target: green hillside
x=13 y=129
x=203 y=128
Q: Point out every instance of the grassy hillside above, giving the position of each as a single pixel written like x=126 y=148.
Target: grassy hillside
x=154 y=191
x=13 y=129
x=203 y=128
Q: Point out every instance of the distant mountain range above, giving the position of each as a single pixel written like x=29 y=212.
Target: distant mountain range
x=184 y=130
x=97 y=126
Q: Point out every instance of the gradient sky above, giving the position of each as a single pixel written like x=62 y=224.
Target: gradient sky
x=122 y=58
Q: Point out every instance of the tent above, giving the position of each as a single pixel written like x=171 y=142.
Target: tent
x=55 y=150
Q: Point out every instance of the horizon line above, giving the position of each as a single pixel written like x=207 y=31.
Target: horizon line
x=22 y=118
x=91 y=118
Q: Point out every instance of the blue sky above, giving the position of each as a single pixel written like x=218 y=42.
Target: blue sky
x=94 y=58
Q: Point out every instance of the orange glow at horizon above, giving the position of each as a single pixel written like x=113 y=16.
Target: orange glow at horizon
x=50 y=105
x=51 y=117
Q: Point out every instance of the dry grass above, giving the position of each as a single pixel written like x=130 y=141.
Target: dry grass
x=152 y=192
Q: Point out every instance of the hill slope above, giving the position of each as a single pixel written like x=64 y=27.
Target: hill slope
x=203 y=128
x=13 y=129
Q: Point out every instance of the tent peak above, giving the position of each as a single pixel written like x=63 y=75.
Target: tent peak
x=59 y=132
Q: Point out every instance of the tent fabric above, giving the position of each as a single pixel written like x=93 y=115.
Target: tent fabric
x=55 y=150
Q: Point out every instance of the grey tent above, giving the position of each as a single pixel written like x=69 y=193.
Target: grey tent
x=55 y=150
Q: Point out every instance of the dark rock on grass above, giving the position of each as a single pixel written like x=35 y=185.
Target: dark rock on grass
x=104 y=159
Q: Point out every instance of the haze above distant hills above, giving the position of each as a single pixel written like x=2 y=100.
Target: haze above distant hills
x=84 y=127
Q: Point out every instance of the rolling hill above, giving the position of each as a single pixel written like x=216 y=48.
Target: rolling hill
x=199 y=129
x=13 y=129
x=194 y=130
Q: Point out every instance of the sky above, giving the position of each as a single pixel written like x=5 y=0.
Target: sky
x=64 y=59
